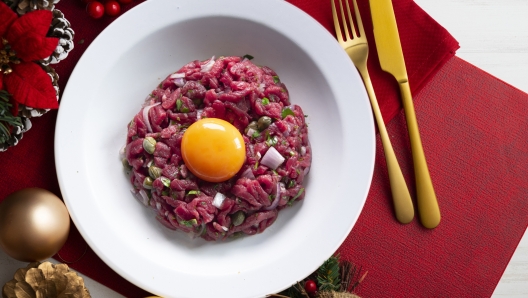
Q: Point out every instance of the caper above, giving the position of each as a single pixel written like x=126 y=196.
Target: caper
x=166 y=181
x=154 y=172
x=149 y=144
x=264 y=122
x=147 y=183
x=253 y=125
x=126 y=165
x=238 y=218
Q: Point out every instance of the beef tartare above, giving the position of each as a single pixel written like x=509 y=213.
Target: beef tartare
x=275 y=138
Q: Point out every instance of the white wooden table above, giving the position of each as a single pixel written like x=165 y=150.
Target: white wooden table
x=493 y=36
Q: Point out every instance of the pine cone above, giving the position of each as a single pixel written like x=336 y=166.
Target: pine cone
x=45 y=280
x=61 y=28
x=23 y=6
x=30 y=112
x=332 y=294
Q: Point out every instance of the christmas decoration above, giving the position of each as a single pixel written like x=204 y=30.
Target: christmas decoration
x=34 y=224
x=61 y=28
x=112 y=8
x=32 y=34
x=23 y=6
x=333 y=279
x=95 y=9
x=45 y=280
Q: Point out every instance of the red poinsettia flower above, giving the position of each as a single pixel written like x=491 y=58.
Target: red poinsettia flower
x=23 y=40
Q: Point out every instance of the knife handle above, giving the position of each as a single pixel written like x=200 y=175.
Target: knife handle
x=403 y=206
x=426 y=197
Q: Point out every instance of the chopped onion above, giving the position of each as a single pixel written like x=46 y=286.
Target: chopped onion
x=207 y=66
x=218 y=200
x=306 y=171
x=272 y=159
x=143 y=197
x=248 y=173
x=199 y=113
x=179 y=82
x=279 y=188
x=225 y=228
x=258 y=155
x=196 y=235
x=303 y=151
x=122 y=151
x=146 y=116
x=158 y=206
x=177 y=75
x=261 y=87
x=250 y=132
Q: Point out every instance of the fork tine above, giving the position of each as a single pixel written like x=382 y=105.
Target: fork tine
x=350 y=20
x=358 y=19
x=345 y=26
x=336 y=22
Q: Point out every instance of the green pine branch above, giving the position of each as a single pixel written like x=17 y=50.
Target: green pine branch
x=7 y=120
x=328 y=276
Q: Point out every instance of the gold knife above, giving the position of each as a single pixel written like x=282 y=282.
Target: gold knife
x=391 y=60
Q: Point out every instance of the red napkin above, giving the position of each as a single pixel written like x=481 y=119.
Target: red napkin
x=477 y=169
x=426 y=47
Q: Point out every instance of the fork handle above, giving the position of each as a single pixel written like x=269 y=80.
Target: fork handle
x=426 y=197
x=403 y=206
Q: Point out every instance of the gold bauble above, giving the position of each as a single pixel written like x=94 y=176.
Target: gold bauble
x=34 y=224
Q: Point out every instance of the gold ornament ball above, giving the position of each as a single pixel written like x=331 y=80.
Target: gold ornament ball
x=34 y=224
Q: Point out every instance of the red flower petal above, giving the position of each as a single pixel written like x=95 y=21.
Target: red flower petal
x=27 y=36
x=7 y=16
x=30 y=85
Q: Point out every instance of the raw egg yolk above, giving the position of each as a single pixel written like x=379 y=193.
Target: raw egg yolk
x=213 y=149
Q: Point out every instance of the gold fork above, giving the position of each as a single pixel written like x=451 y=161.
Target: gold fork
x=357 y=49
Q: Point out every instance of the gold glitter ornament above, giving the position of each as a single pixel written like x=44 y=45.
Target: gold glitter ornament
x=34 y=224
x=45 y=280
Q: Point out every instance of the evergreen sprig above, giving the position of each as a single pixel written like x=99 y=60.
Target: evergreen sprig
x=7 y=120
x=328 y=276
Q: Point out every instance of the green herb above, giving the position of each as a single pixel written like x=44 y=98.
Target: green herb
x=189 y=223
x=271 y=197
x=276 y=79
x=165 y=192
x=287 y=111
x=178 y=104
x=291 y=184
x=7 y=120
x=271 y=140
x=256 y=165
x=247 y=56
x=328 y=275
x=265 y=101
x=292 y=153
x=256 y=134
x=298 y=194
x=194 y=192
x=185 y=110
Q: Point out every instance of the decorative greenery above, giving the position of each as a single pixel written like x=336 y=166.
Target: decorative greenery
x=7 y=120
x=328 y=277
x=334 y=278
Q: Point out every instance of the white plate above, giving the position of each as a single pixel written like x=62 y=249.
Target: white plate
x=128 y=60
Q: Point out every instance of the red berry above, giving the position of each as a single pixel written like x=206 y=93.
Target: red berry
x=125 y=1
x=112 y=8
x=310 y=287
x=95 y=9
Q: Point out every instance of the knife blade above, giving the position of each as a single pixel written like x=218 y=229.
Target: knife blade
x=392 y=61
